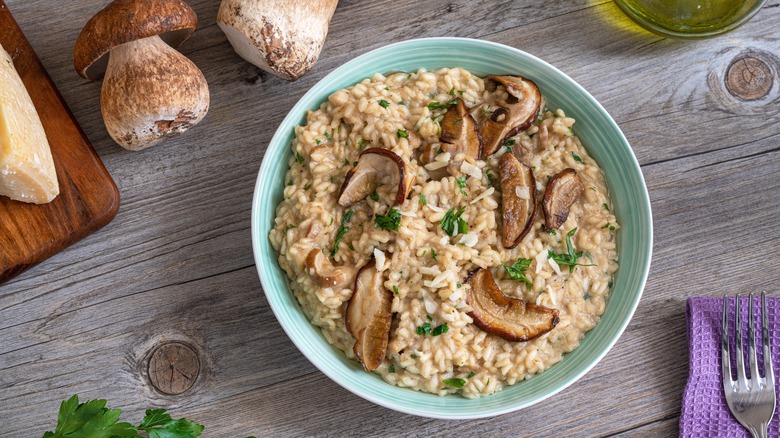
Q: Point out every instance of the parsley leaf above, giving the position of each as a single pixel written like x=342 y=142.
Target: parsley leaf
x=402 y=134
x=289 y=227
x=440 y=330
x=576 y=157
x=509 y=143
x=374 y=196
x=433 y=253
x=92 y=419
x=516 y=270
x=299 y=158
x=391 y=221
x=424 y=329
x=383 y=103
x=434 y=105
x=423 y=200
x=455 y=383
x=453 y=224
x=461 y=182
x=158 y=424
x=391 y=369
x=471 y=374
x=570 y=258
x=343 y=228
x=395 y=290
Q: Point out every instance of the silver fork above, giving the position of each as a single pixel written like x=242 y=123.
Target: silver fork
x=751 y=401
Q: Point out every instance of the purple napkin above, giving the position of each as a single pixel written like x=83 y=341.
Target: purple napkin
x=704 y=409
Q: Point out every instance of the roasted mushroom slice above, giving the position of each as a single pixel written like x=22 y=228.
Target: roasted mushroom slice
x=459 y=134
x=369 y=316
x=561 y=192
x=518 y=199
x=375 y=167
x=324 y=273
x=428 y=155
x=512 y=116
x=508 y=318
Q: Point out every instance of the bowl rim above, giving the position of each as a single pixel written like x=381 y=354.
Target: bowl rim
x=257 y=237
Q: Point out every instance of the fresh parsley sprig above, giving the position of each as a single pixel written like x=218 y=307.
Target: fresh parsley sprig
x=516 y=270
x=570 y=258
x=94 y=420
x=453 y=224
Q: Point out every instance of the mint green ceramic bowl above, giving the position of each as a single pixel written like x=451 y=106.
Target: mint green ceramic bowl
x=598 y=132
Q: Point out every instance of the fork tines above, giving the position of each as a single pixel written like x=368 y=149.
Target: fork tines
x=751 y=400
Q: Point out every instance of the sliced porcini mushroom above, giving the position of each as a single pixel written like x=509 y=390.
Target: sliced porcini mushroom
x=509 y=318
x=428 y=155
x=518 y=199
x=561 y=192
x=459 y=135
x=375 y=167
x=369 y=315
x=324 y=273
x=150 y=91
x=512 y=116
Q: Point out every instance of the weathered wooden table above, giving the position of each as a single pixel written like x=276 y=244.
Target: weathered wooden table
x=175 y=267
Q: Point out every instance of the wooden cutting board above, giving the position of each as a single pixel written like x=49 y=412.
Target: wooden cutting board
x=88 y=197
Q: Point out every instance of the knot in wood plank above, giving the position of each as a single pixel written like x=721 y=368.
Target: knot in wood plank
x=748 y=78
x=173 y=368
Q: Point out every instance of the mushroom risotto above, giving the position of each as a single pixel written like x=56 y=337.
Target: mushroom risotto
x=448 y=232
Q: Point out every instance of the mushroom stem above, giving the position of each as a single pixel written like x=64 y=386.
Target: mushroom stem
x=151 y=92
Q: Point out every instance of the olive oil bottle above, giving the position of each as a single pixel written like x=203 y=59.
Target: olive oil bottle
x=690 y=18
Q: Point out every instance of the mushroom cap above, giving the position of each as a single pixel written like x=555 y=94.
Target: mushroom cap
x=123 y=21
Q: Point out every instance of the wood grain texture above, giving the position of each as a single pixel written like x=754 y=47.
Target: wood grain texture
x=88 y=198
x=176 y=264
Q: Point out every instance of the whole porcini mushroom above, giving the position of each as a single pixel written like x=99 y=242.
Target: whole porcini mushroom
x=150 y=91
x=511 y=116
x=281 y=37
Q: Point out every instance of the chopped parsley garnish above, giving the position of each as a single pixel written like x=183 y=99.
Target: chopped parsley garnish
x=395 y=290
x=361 y=144
x=434 y=105
x=402 y=134
x=608 y=226
x=327 y=135
x=461 y=182
x=459 y=285
x=452 y=91
x=471 y=374
x=391 y=221
x=307 y=186
x=440 y=330
x=429 y=317
x=586 y=297
x=423 y=200
x=576 y=157
x=452 y=102
x=516 y=270
x=433 y=253
x=318 y=141
x=570 y=258
x=457 y=122
x=491 y=178
x=552 y=231
x=606 y=207
x=346 y=162
x=343 y=228
x=299 y=158
x=289 y=227
x=455 y=383
x=609 y=285
x=374 y=196
x=487 y=111
x=453 y=224
x=391 y=369
x=509 y=143
x=424 y=329
x=383 y=103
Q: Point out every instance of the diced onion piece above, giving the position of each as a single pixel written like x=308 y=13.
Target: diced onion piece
x=379 y=256
x=430 y=304
x=469 y=239
x=471 y=170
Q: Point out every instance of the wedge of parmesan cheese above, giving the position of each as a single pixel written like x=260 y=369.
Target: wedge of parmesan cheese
x=26 y=167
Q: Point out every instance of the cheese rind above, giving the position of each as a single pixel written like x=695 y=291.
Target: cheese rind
x=26 y=166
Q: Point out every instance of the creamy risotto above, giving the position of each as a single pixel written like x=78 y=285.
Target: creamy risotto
x=479 y=265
